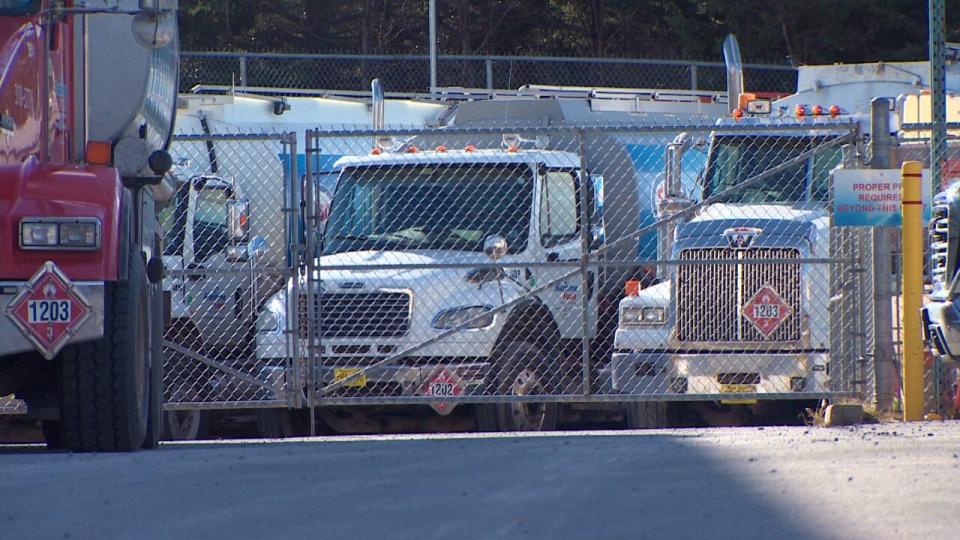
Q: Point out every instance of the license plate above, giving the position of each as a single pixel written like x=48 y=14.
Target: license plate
x=342 y=373
x=738 y=389
x=49 y=311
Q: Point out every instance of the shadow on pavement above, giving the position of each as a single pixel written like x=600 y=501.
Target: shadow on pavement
x=564 y=486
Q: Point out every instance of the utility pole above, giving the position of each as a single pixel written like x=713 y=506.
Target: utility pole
x=433 y=46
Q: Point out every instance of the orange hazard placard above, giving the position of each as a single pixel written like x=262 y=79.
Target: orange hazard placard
x=48 y=310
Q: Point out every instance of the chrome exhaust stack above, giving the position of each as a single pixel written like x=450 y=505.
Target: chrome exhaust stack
x=731 y=57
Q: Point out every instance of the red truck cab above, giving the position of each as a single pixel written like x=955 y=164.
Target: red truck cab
x=87 y=99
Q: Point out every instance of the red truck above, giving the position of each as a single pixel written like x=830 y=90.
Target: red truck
x=87 y=102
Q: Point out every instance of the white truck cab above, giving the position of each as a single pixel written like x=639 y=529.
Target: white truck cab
x=690 y=333
x=444 y=211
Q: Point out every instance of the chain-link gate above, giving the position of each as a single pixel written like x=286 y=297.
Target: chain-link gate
x=227 y=250
x=525 y=266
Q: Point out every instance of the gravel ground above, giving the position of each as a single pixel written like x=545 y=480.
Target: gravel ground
x=875 y=481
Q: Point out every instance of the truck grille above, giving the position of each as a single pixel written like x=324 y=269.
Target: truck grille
x=940 y=242
x=378 y=314
x=710 y=297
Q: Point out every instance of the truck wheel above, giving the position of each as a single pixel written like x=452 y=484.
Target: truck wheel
x=104 y=384
x=523 y=371
x=185 y=425
x=646 y=415
x=155 y=420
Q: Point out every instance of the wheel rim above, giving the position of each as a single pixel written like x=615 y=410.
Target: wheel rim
x=528 y=416
x=183 y=425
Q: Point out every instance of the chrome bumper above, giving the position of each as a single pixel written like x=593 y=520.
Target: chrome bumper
x=650 y=373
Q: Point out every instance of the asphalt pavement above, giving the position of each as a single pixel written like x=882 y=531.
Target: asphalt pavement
x=875 y=481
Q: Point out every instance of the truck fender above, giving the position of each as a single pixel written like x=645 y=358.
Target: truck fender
x=529 y=321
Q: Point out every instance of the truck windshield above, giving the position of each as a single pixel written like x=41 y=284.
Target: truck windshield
x=18 y=7
x=734 y=159
x=430 y=206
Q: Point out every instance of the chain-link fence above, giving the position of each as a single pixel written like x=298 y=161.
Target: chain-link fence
x=410 y=73
x=575 y=264
x=226 y=250
x=516 y=268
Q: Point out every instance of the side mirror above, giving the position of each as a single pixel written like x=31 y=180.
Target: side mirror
x=238 y=213
x=495 y=247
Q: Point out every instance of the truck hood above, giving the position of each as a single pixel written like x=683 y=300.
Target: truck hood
x=377 y=276
x=772 y=225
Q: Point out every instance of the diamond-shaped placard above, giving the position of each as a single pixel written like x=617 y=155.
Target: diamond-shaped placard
x=442 y=383
x=49 y=309
x=767 y=310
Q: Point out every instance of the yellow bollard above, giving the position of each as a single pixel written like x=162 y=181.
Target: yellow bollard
x=911 y=199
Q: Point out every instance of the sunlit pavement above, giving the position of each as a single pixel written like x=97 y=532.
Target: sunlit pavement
x=874 y=481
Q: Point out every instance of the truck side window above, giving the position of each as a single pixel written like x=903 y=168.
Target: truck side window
x=559 y=208
x=824 y=162
x=210 y=224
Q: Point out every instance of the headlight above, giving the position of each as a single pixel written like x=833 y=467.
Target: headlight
x=452 y=318
x=273 y=317
x=62 y=233
x=637 y=315
x=38 y=235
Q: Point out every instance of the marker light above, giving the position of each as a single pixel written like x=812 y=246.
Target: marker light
x=816 y=110
x=97 y=153
x=441 y=148
x=469 y=148
x=412 y=149
x=738 y=113
x=376 y=152
x=800 y=111
x=513 y=149
x=834 y=110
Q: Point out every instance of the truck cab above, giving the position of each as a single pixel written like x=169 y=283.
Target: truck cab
x=691 y=333
x=206 y=229
x=88 y=99
x=441 y=212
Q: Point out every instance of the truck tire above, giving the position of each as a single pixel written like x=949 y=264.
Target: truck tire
x=185 y=425
x=104 y=384
x=646 y=415
x=155 y=420
x=523 y=368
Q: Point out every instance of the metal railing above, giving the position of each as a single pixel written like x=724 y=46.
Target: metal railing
x=411 y=73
